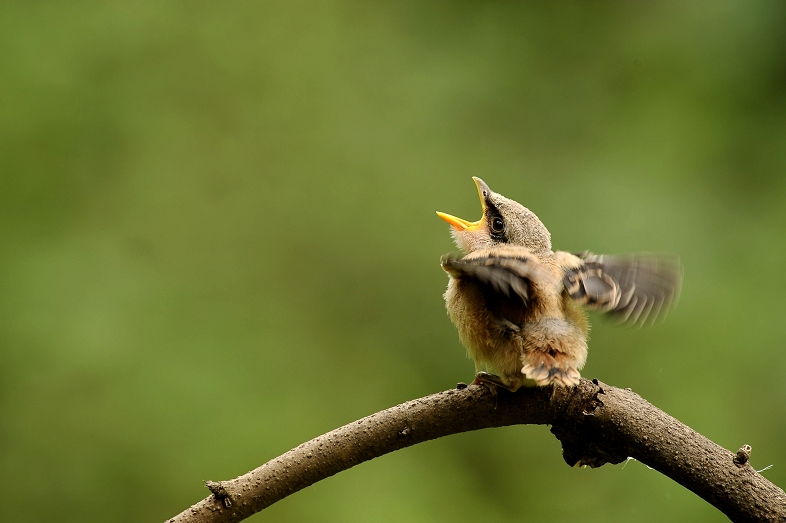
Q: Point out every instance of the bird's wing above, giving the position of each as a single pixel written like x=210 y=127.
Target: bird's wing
x=505 y=271
x=634 y=287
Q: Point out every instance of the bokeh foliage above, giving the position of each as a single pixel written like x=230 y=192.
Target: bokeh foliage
x=218 y=240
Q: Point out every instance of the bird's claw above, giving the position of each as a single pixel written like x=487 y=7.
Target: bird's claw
x=491 y=382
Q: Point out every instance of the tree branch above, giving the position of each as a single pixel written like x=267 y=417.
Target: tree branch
x=596 y=424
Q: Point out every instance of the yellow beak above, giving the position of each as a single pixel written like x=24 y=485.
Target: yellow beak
x=458 y=223
x=464 y=225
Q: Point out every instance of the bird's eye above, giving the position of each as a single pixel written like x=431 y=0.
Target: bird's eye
x=497 y=225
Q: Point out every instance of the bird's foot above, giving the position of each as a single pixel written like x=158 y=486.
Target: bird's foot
x=545 y=375
x=492 y=382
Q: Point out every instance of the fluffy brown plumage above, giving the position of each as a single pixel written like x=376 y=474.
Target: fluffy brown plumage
x=518 y=305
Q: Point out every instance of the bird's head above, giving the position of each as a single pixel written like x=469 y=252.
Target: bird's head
x=503 y=222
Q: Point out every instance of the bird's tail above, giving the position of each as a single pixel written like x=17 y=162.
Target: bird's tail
x=545 y=374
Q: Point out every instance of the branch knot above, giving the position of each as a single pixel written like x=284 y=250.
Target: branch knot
x=218 y=490
x=743 y=455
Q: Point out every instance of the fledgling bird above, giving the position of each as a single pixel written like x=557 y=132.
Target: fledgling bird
x=518 y=305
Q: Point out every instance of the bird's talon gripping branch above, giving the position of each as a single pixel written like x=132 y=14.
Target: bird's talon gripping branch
x=491 y=382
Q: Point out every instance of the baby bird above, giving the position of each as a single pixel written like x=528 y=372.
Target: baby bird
x=518 y=305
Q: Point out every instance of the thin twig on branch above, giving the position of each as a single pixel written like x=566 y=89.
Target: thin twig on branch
x=596 y=424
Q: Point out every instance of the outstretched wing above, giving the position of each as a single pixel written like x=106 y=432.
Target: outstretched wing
x=634 y=287
x=509 y=272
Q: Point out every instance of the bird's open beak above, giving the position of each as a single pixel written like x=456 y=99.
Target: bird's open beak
x=464 y=225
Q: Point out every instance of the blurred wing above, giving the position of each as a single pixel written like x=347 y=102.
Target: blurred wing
x=634 y=287
x=508 y=274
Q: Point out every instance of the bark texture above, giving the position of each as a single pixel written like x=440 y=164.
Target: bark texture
x=596 y=424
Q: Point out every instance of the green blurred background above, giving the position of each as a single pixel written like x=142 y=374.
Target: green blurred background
x=218 y=240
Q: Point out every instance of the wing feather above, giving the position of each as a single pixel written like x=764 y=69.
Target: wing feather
x=508 y=273
x=637 y=287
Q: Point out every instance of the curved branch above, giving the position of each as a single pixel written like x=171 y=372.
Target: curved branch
x=596 y=424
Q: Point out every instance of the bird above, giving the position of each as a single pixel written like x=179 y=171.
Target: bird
x=520 y=308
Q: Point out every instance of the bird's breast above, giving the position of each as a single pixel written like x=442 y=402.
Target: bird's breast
x=495 y=330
